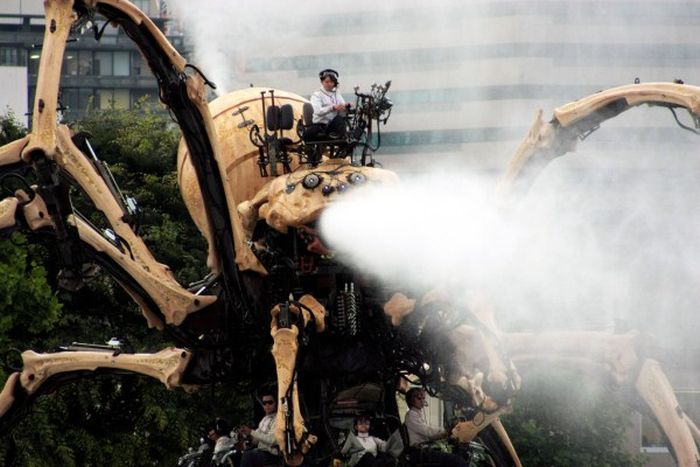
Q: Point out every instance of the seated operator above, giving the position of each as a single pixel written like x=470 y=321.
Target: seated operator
x=329 y=109
x=365 y=450
x=420 y=432
x=218 y=432
x=266 y=451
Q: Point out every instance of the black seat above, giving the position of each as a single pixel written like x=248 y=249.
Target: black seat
x=308 y=114
x=280 y=118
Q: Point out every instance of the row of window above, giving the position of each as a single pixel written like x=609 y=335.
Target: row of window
x=636 y=13
x=416 y=140
x=97 y=63
x=12 y=56
x=672 y=55
x=77 y=100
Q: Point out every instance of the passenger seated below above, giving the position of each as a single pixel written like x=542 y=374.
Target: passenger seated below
x=218 y=432
x=365 y=450
x=420 y=433
x=329 y=110
x=266 y=451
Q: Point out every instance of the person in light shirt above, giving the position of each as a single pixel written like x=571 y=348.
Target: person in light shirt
x=365 y=450
x=329 y=108
x=420 y=433
x=218 y=433
x=266 y=451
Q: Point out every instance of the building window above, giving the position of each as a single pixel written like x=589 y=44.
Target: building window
x=121 y=64
x=77 y=62
x=30 y=100
x=689 y=399
x=113 y=98
x=70 y=63
x=121 y=98
x=139 y=67
x=76 y=99
x=11 y=56
x=69 y=98
x=103 y=64
x=109 y=37
x=85 y=62
x=34 y=59
x=85 y=98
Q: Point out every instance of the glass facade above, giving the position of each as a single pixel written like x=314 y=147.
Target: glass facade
x=121 y=66
x=113 y=99
x=102 y=74
x=12 y=56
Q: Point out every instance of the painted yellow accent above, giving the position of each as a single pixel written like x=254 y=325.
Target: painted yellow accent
x=167 y=365
x=545 y=141
x=7 y=397
x=8 y=207
x=59 y=18
x=174 y=301
x=657 y=392
x=11 y=153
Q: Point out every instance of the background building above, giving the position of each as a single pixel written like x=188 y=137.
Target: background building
x=107 y=73
x=467 y=78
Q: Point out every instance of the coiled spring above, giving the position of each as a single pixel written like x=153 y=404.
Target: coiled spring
x=346 y=317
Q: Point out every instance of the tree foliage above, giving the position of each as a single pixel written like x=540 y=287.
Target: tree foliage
x=108 y=420
x=562 y=418
x=10 y=128
x=28 y=306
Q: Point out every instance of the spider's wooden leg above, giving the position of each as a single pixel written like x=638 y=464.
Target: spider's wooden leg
x=657 y=392
x=46 y=207
x=292 y=436
x=574 y=121
x=8 y=211
x=42 y=373
x=505 y=440
x=162 y=299
x=50 y=151
x=10 y=160
x=617 y=355
x=467 y=431
x=11 y=153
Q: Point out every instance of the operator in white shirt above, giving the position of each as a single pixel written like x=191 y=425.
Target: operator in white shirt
x=266 y=451
x=329 y=108
x=419 y=432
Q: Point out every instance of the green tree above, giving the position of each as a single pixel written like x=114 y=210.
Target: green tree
x=28 y=306
x=10 y=128
x=108 y=420
x=562 y=418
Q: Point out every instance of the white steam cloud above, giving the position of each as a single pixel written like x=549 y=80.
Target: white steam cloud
x=446 y=230
x=608 y=234
x=563 y=259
